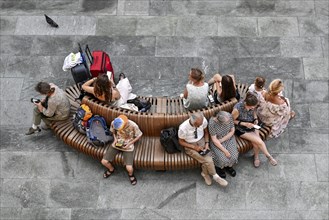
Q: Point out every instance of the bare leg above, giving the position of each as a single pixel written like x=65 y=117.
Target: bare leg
x=108 y=165
x=257 y=143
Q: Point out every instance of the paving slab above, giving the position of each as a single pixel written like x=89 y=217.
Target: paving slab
x=314 y=26
x=10 y=88
x=46 y=213
x=197 y=26
x=322 y=169
x=52 y=45
x=259 y=192
x=116 y=26
x=8 y=25
x=259 y=47
x=79 y=213
x=185 y=7
x=68 y=25
x=294 y=8
x=301 y=47
x=16 y=45
x=235 y=26
x=99 y=7
x=171 y=196
x=317 y=115
x=158 y=26
x=67 y=194
x=308 y=140
x=25 y=193
x=133 y=7
x=278 y=26
x=316 y=68
x=307 y=195
x=289 y=167
x=311 y=91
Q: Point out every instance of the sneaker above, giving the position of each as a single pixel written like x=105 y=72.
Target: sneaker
x=207 y=179
x=32 y=131
x=220 y=181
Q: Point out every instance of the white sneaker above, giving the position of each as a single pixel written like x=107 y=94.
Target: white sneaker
x=207 y=179
x=221 y=181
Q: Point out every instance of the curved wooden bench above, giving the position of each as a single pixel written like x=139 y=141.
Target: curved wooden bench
x=149 y=154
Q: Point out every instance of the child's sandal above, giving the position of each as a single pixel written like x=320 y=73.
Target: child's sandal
x=108 y=173
x=132 y=179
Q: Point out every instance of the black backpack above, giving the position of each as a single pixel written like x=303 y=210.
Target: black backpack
x=143 y=105
x=169 y=140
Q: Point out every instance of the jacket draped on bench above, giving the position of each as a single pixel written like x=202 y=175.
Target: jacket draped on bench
x=149 y=154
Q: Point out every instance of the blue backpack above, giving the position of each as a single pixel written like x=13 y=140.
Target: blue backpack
x=97 y=132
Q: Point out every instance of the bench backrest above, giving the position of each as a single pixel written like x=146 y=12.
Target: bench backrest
x=164 y=113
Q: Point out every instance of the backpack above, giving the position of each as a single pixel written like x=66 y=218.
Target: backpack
x=169 y=140
x=143 y=105
x=97 y=132
x=81 y=117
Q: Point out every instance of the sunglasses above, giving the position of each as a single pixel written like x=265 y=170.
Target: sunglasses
x=196 y=133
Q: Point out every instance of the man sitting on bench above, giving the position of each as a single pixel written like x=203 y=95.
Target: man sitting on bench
x=194 y=137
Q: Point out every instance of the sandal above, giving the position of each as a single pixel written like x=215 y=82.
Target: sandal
x=256 y=162
x=132 y=179
x=272 y=161
x=108 y=173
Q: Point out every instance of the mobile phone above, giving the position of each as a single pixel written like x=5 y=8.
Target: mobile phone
x=204 y=152
x=257 y=126
x=211 y=98
x=35 y=101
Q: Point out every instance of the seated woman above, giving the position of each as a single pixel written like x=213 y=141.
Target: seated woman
x=105 y=90
x=245 y=118
x=258 y=86
x=274 y=109
x=223 y=144
x=195 y=95
x=223 y=88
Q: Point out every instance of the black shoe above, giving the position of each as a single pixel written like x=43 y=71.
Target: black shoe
x=220 y=172
x=51 y=22
x=230 y=171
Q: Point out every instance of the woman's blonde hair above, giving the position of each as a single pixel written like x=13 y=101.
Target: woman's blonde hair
x=275 y=87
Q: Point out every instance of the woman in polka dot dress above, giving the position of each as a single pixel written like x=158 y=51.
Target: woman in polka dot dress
x=223 y=144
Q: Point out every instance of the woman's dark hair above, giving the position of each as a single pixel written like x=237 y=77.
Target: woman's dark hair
x=103 y=85
x=197 y=74
x=44 y=88
x=251 y=99
x=228 y=88
x=260 y=82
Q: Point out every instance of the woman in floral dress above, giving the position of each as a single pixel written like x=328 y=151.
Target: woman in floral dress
x=274 y=109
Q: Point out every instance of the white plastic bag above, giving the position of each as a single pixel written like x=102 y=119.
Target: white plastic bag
x=72 y=60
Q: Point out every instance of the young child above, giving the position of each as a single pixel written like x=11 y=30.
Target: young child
x=258 y=86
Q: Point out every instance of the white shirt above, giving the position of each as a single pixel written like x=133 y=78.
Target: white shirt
x=252 y=89
x=186 y=131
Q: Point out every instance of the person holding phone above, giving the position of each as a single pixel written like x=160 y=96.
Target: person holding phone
x=245 y=119
x=54 y=107
x=194 y=137
x=125 y=132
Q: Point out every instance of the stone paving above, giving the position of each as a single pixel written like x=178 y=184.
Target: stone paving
x=155 y=42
